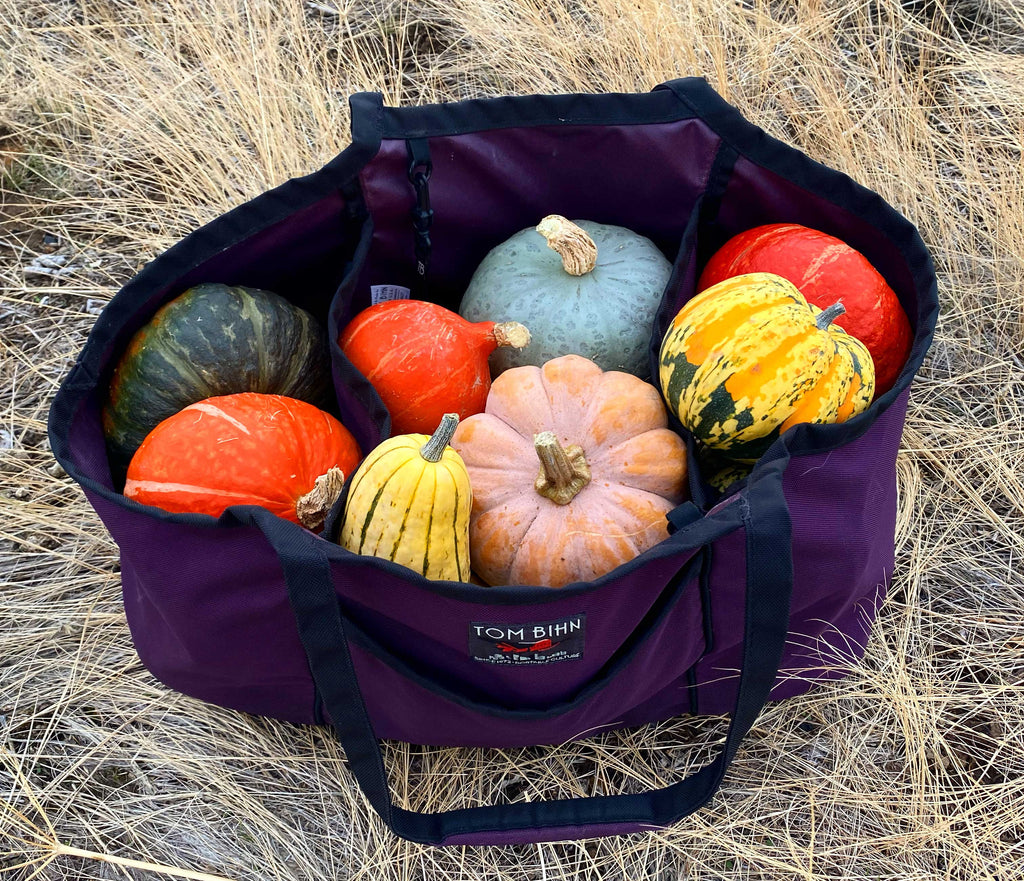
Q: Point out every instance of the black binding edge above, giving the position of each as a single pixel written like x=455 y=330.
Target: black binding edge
x=513 y=111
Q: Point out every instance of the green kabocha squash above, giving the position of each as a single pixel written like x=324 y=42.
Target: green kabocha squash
x=209 y=341
x=581 y=287
x=749 y=357
x=410 y=502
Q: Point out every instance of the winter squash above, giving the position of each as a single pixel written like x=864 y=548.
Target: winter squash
x=826 y=270
x=424 y=360
x=212 y=340
x=409 y=502
x=581 y=287
x=724 y=477
x=245 y=449
x=748 y=358
x=720 y=472
x=573 y=470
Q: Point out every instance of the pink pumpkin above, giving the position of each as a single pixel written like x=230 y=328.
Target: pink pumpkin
x=573 y=472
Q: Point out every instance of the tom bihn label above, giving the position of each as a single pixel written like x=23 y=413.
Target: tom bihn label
x=520 y=645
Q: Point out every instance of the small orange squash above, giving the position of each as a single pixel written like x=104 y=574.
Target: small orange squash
x=573 y=471
x=424 y=360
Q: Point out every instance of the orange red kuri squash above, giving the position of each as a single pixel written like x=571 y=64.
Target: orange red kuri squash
x=424 y=360
x=245 y=449
x=825 y=270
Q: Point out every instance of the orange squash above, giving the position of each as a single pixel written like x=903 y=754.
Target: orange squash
x=245 y=449
x=425 y=360
x=573 y=472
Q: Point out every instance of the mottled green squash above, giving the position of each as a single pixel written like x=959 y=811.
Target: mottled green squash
x=720 y=472
x=212 y=340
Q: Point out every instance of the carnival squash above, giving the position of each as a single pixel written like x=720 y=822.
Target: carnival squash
x=409 y=502
x=581 y=287
x=748 y=358
x=245 y=449
x=212 y=340
x=825 y=269
x=424 y=360
x=573 y=470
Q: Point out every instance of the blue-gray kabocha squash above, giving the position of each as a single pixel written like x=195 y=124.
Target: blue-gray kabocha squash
x=582 y=288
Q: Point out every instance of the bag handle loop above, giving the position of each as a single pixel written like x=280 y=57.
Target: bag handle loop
x=322 y=629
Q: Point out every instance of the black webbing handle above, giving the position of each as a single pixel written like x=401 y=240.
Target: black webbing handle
x=322 y=631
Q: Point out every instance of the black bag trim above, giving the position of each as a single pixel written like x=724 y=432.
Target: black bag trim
x=360 y=387
x=514 y=111
x=714 y=192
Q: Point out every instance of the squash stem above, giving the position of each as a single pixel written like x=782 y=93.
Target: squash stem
x=313 y=507
x=510 y=333
x=829 y=315
x=574 y=246
x=563 y=470
x=433 y=449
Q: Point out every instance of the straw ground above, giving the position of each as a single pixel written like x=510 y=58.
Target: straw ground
x=123 y=126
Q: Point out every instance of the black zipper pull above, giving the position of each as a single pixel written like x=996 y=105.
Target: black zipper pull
x=422 y=214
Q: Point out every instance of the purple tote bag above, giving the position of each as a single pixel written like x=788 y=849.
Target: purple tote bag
x=758 y=592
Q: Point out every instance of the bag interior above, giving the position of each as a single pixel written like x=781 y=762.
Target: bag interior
x=664 y=180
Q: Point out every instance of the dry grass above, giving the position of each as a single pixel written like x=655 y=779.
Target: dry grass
x=125 y=124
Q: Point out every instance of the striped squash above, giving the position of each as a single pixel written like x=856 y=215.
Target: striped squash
x=749 y=357
x=410 y=502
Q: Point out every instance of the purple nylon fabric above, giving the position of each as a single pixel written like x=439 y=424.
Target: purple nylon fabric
x=403 y=710
x=842 y=562
x=411 y=619
x=209 y=615
x=311 y=270
x=532 y=172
